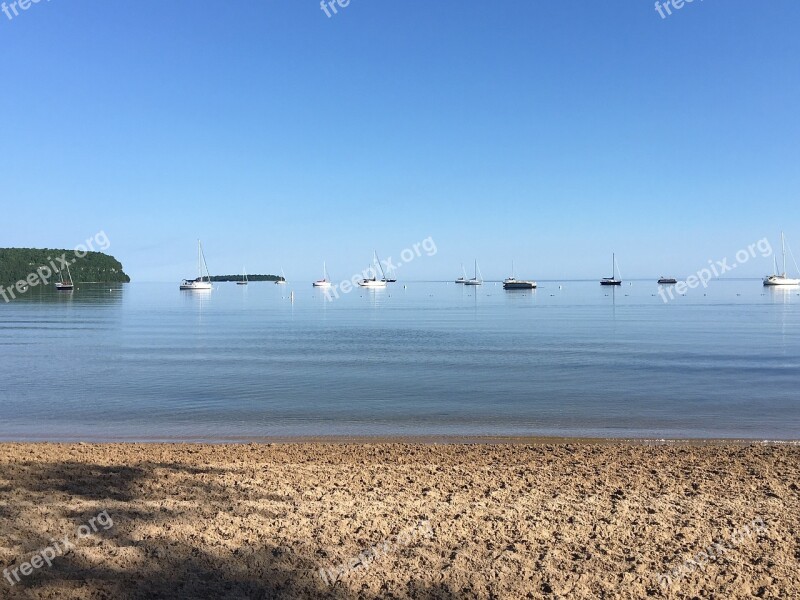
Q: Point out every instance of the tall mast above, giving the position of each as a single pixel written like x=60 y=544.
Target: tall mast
x=380 y=266
x=199 y=261
x=783 y=251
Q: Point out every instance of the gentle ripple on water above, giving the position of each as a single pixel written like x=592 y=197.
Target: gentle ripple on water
x=145 y=361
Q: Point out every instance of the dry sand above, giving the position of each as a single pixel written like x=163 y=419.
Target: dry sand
x=566 y=520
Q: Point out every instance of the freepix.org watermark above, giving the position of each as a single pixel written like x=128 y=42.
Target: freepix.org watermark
x=12 y=9
x=664 y=9
x=362 y=561
x=426 y=246
x=329 y=6
x=715 y=269
x=44 y=273
x=57 y=548
x=712 y=553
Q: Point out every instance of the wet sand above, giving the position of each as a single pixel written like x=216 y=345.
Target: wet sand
x=400 y=520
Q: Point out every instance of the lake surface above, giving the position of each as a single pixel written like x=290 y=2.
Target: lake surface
x=149 y=362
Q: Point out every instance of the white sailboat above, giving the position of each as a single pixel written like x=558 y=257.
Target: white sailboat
x=244 y=277
x=463 y=278
x=374 y=282
x=475 y=280
x=203 y=282
x=65 y=284
x=388 y=276
x=324 y=282
x=613 y=280
x=781 y=279
x=282 y=280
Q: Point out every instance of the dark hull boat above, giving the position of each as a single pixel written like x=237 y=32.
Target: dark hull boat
x=667 y=280
x=512 y=283
x=518 y=284
x=614 y=270
x=65 y=285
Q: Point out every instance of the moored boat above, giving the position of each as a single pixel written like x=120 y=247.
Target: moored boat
x=65 y=285
x=374 y=282
x=776 y=278
x=475 y=280
x=613 y=280
x=463 y=278
x=202 y=282
x=512 y=283
x=324 y=282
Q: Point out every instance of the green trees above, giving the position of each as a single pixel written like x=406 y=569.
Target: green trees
x=17 y=263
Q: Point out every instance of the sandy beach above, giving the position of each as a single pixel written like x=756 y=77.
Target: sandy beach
x=400 y=520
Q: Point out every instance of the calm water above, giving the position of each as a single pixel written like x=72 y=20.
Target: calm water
x=148 y=362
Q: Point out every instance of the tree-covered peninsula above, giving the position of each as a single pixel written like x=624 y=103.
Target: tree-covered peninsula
x=16 y=264
x=249 y=277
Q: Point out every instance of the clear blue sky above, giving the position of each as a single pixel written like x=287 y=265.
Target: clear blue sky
x=548 y=132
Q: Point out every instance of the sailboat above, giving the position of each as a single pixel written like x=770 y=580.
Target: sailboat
x=282 y=280
x=781 y=279
x=64 y=284
x=614 y=271
x=203 y=282
x=244 y=277
x=374 y=282
x=388 y=276
x=463 y=278
x=512 y=283
x=475 y=280
x=324 y=282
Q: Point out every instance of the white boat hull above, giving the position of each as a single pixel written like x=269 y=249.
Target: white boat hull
x=775 y=280
x=322 y=284
x=197 y=285
x=779 y=278
x=370 y=283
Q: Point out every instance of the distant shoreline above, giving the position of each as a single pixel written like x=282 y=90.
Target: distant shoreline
x=236 y=278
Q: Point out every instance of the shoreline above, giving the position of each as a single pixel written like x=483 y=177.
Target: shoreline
x=425 y=440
